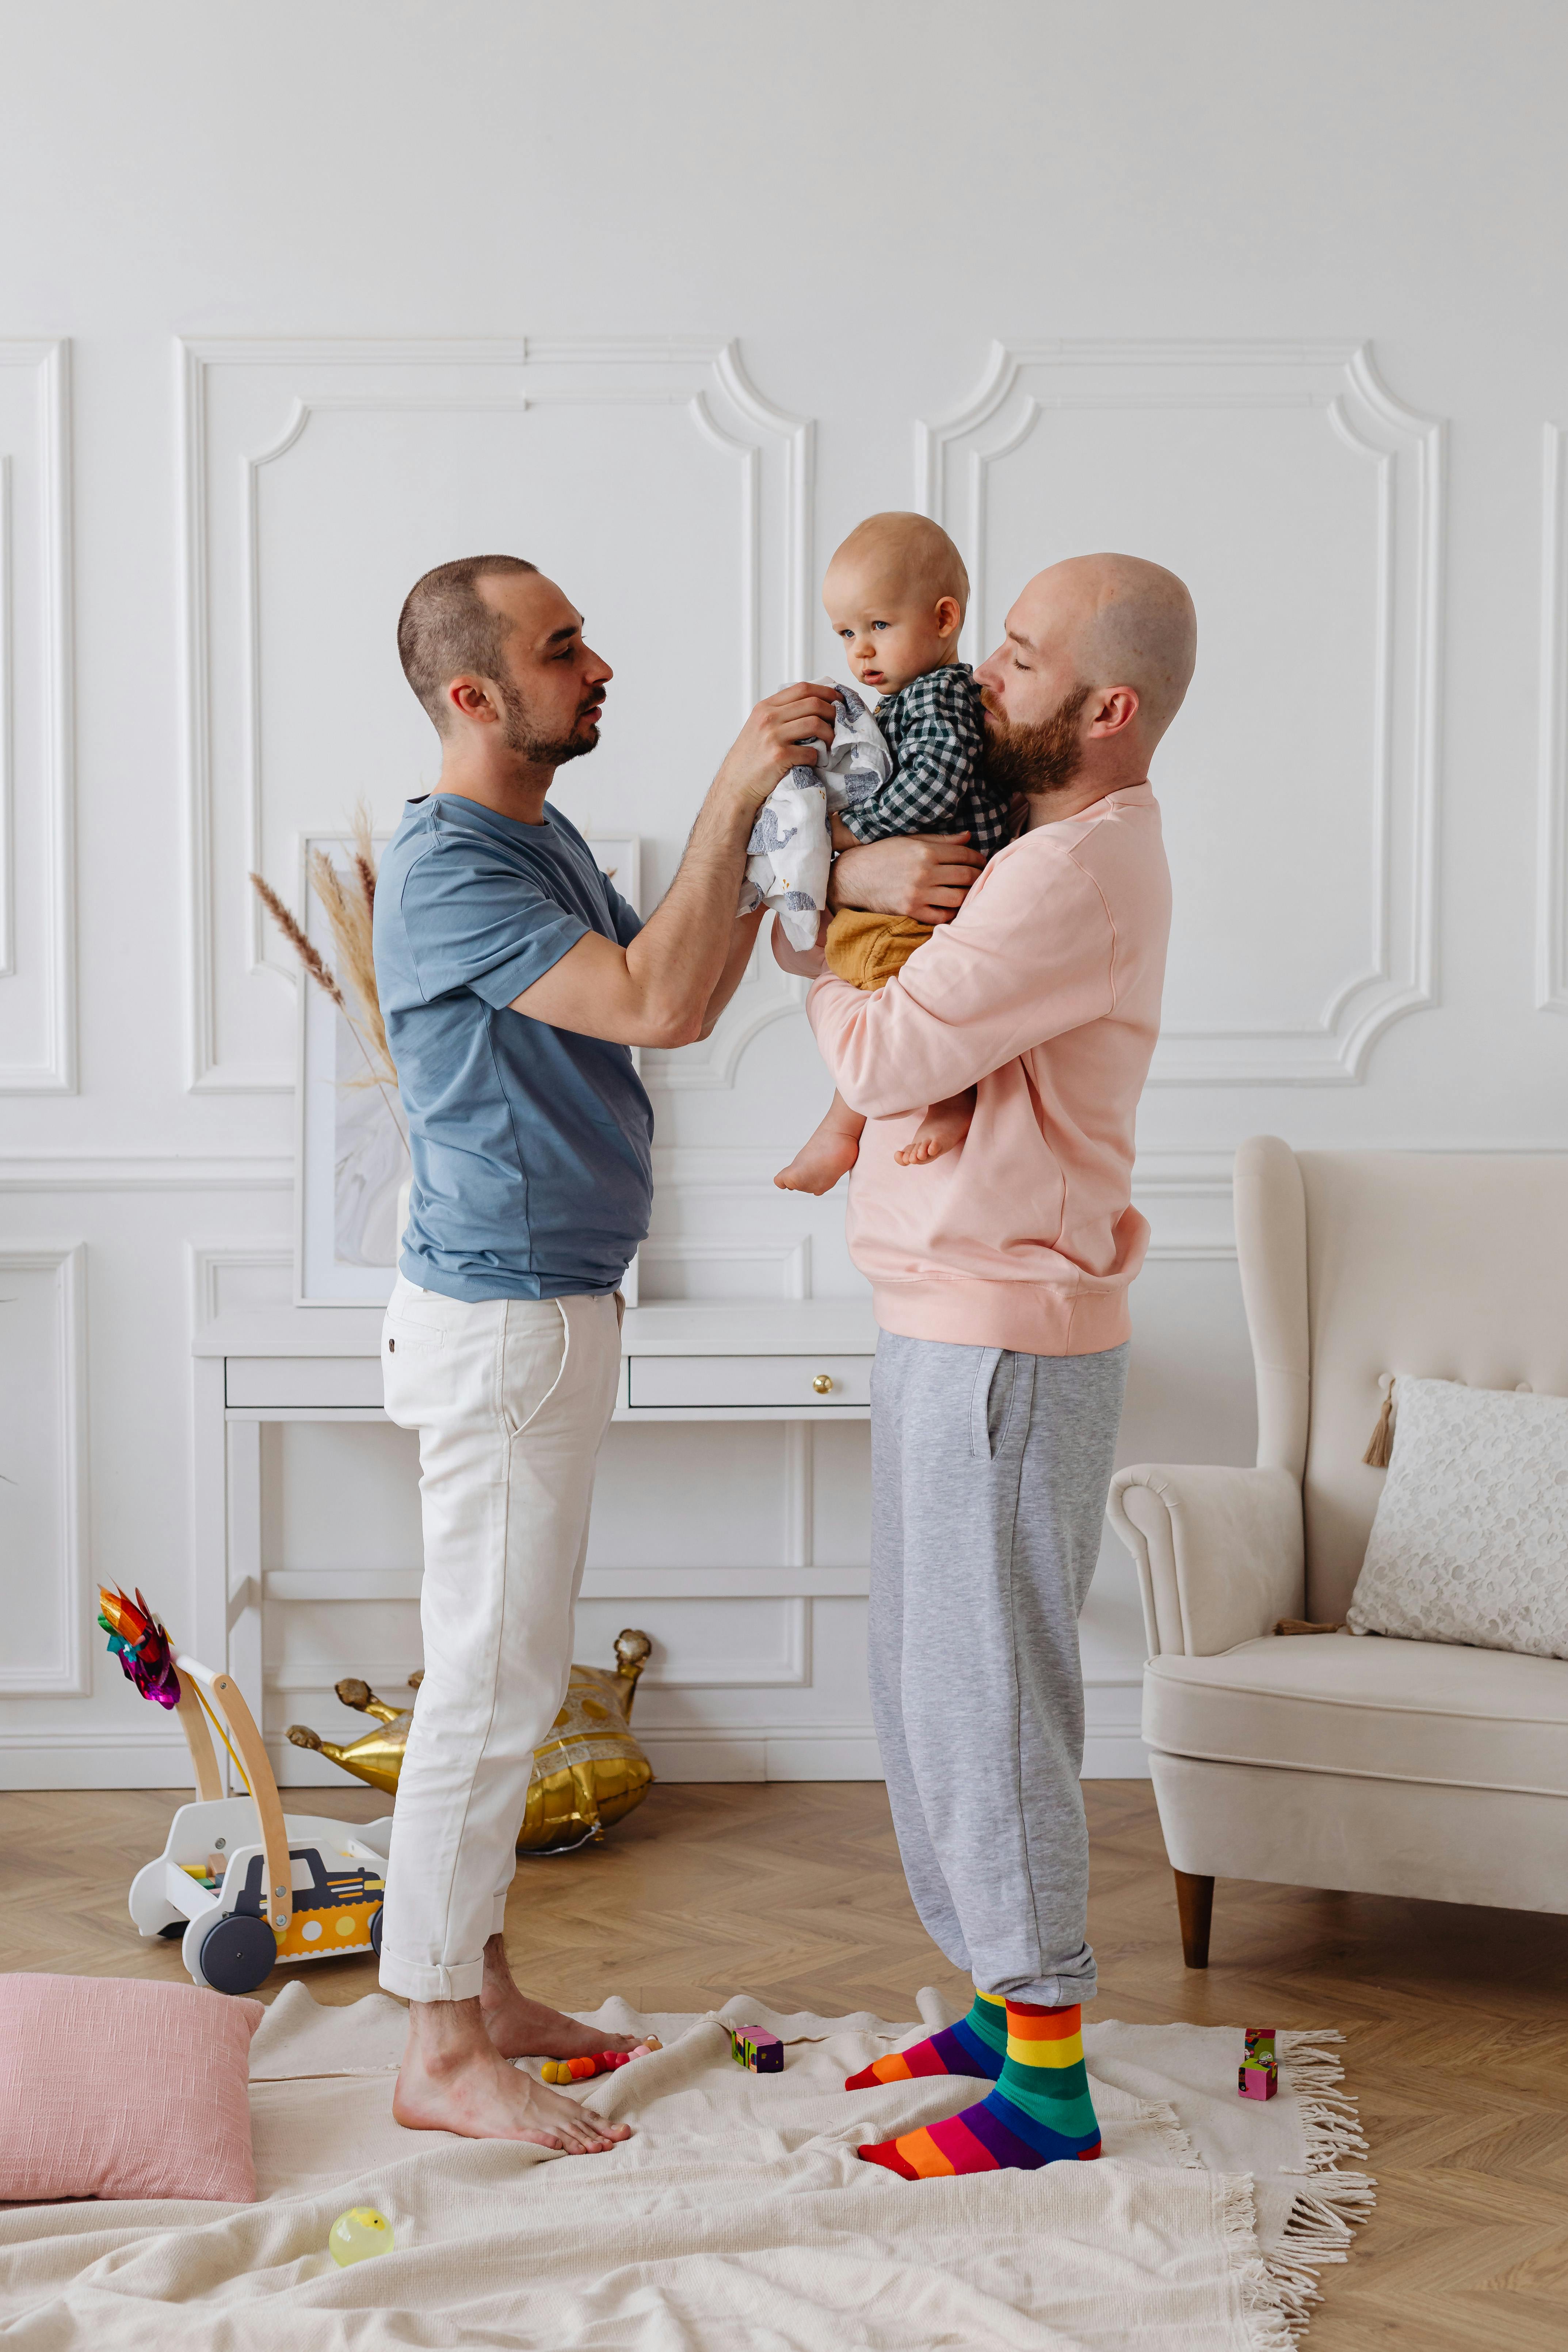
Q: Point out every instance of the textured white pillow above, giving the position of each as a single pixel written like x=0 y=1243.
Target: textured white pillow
x=1470 y=1541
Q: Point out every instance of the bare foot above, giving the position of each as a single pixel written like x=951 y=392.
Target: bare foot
x=820 y=1161
x=943 y=1129
x=462 y=2084
x=453 y=2078
x=522 y=2028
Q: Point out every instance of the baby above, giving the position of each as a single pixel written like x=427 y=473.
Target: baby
x=895 y=595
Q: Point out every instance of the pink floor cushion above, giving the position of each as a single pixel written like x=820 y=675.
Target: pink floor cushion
x=112 y=2088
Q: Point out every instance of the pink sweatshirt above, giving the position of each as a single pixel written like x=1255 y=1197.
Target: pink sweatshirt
x=1043 y=993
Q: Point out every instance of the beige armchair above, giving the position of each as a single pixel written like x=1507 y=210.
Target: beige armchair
x=1384 y=1767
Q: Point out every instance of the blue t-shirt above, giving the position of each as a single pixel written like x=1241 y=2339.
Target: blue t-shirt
x=531 y=1145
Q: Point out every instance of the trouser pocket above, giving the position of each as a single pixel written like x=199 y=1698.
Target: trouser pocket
x=535 y=1344
x=991 y=1402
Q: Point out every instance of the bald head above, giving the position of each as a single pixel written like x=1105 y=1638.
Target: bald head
x=908 y=553
x=1122 y=622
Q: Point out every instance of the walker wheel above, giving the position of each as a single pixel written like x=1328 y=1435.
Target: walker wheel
x=375 y=1919
x=238 y=1953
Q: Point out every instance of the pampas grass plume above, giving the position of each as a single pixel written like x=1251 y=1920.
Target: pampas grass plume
x=308 y=955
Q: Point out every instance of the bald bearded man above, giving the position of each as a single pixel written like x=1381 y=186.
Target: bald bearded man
x=1000 y=1275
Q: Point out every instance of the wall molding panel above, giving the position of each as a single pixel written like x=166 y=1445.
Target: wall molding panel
x=206 y=1267
x=766 y=994
x=37 y=822
x=785 y=1266
x=114 y=1172
x=247 y=408
x=51 y=1418
x=1551 y=791
x=1131 y=389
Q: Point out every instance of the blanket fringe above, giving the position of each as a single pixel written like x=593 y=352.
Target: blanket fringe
x=1323 y=2219
x=1264 y=2302
x=1329 y=2119
x=1318 y=2232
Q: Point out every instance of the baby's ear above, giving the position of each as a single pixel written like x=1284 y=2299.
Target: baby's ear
x=949 y=616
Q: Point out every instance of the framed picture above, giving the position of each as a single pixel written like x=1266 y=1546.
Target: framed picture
x=350 y=1137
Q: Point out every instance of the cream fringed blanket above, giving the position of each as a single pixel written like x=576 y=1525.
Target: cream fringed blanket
x=738 y=2218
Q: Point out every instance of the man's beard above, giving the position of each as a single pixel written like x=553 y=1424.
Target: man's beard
x=1034 y=761
x=519 y=735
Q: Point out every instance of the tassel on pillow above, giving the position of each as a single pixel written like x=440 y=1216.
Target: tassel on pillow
x=1379 y=1453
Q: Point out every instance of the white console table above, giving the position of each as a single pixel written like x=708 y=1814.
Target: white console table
x=797 y=1361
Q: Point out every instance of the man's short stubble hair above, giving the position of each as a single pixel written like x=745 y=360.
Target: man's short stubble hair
x=447 y=628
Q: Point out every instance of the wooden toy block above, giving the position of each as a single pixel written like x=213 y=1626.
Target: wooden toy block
x=1257 y=2082
x=750 y=2047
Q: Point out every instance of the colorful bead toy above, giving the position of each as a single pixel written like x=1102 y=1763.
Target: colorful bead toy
x=1258 y=2076
x=357 y=2234
x=750 y=2047
x=583 y=2070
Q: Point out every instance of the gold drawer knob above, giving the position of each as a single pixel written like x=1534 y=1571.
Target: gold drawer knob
x=823 y=1383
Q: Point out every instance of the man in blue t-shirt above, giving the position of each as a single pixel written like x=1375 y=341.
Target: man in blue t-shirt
x=514 y=981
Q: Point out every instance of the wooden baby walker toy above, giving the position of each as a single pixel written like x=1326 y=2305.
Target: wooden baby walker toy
x=1258 y=2076
x=241 y=1882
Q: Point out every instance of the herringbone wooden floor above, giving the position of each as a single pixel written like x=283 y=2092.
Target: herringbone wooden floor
x=1457 y=2021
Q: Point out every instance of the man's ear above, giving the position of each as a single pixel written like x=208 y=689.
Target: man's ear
x=471 y=699
x=949 y=616
x=1115 y=710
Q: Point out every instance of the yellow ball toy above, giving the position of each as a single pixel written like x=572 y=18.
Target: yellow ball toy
x=357 y=2234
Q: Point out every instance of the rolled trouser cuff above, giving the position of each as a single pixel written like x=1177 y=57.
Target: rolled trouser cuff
x=423 y=1981
x=1071 y=1979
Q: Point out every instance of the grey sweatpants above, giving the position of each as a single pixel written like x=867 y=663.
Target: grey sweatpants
x=989 y=1474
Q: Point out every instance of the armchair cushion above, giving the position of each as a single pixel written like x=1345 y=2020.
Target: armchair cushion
x=1384 y=1709
x=1470 y=1541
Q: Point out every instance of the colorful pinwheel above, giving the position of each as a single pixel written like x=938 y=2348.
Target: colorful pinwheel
x=140 y=1644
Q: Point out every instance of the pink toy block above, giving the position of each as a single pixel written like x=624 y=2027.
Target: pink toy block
x=1257 y=2082
x=759 y=2052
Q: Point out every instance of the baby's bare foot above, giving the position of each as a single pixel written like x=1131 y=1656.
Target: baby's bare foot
x=475 y=2092
x=943 y=1129
x=820 y=1162
x=522 y=2028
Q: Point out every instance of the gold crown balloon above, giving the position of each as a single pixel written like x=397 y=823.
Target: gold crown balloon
x=588 y=1774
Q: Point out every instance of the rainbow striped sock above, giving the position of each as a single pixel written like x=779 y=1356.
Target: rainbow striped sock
x=1040 y=2110
x=977 y=2044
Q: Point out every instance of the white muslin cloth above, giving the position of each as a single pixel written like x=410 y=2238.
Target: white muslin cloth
x=790 y=853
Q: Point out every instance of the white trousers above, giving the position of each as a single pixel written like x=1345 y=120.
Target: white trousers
x=511 y=1398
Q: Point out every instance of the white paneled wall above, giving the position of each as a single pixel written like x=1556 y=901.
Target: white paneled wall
x=667 y=300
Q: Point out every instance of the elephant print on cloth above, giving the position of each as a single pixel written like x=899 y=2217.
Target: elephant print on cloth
x=790 y=853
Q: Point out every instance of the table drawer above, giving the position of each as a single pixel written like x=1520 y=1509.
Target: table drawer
x=321 y=1380
x=673 y=1383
